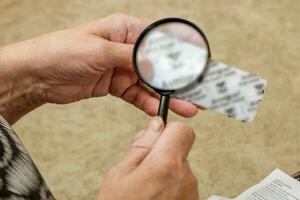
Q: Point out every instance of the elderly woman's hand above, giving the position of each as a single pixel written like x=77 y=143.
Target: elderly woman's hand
x=156 y=166
x=65 y=66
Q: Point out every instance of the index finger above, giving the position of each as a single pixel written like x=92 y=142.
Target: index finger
x=119 y=28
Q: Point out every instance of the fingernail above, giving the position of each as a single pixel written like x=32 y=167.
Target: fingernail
x=155 y=124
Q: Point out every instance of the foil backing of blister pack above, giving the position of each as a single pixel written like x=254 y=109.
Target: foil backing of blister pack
x=227 y=90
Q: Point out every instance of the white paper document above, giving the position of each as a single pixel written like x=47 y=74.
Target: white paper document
x=276 y=186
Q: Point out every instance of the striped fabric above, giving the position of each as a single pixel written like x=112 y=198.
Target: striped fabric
x=19 y=177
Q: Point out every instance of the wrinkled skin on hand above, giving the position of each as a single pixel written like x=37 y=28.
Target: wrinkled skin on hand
x=155 y=167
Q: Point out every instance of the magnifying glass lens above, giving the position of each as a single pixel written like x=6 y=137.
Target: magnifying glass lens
x=171 y=56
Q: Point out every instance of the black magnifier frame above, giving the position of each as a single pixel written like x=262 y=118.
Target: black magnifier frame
x=165 y=94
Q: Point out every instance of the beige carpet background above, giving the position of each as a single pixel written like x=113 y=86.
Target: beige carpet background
x=74 y=145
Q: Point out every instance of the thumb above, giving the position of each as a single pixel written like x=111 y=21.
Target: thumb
x=174 y=144
x=142 y=144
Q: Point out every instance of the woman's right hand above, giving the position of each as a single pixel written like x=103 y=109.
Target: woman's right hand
x=156 y=167
x=65 y=66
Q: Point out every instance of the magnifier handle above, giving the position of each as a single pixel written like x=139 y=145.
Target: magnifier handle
x=164 y=107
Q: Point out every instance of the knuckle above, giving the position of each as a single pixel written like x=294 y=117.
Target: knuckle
x=140 y=149
x=170 y=168
x=118 y=15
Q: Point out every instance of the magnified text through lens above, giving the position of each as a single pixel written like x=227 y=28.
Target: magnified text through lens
x=171 y=56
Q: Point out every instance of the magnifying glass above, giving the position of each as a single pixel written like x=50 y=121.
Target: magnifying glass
x=170 y=55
